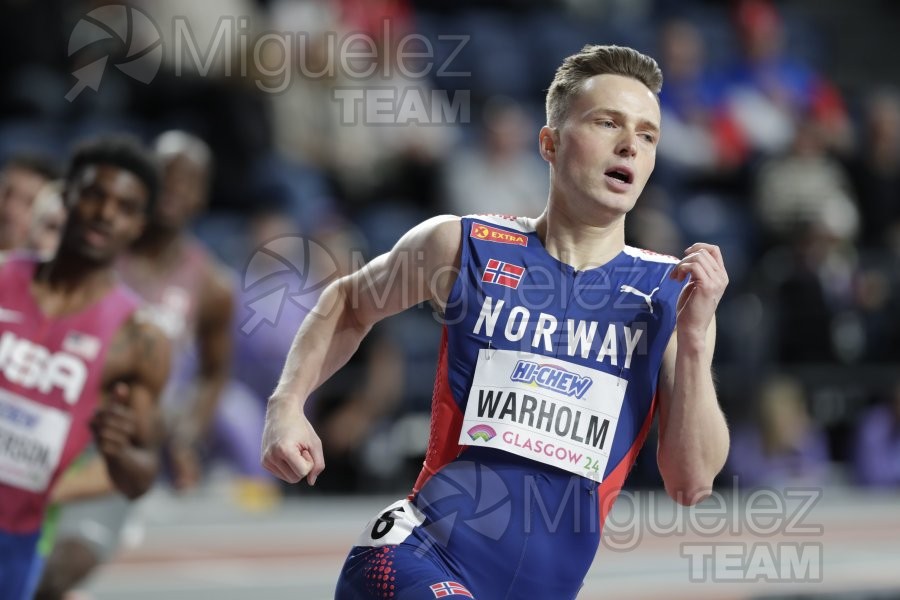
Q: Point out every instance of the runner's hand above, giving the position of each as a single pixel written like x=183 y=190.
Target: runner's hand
x=700 y=298
x=291 y=450
x=114 y=424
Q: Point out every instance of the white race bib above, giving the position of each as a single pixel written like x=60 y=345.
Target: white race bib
x=544 y=408
x=32 y=438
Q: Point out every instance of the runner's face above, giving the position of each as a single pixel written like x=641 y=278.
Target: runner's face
x=46 y=229
x=107 y=213
x=18 y=188
x=605 y=149
x=183 y=193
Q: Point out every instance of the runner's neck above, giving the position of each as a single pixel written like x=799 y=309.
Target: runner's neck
x=579 y=244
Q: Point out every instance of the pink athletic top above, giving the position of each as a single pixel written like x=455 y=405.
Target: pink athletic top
x=50 y=384
x=170 y=301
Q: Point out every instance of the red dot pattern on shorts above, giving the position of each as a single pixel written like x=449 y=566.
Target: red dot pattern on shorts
x=380 y=574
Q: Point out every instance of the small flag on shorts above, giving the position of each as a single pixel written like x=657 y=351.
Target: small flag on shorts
x=450 y=588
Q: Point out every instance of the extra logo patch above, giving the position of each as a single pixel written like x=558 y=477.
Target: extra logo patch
x=450 y=588
x=501 y=236
x=502 y=273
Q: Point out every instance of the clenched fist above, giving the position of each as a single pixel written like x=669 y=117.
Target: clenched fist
x=291 y=450
x=115 y=423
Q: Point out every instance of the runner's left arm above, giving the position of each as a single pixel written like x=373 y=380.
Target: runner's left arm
x=214 y=346
x=693 y=434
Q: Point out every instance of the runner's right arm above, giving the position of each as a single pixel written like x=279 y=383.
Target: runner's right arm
x=127 y=427
x=421 y=267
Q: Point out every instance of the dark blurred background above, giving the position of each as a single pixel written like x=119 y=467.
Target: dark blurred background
x=781 y=143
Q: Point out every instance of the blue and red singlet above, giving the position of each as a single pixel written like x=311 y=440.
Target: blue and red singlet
x=543 y=397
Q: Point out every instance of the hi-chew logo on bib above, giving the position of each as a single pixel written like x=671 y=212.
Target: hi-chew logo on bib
x=551 y=377
x=547 y=409
x=487 y=233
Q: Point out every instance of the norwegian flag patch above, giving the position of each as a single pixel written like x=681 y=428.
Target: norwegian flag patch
x=450 y=588
x=502 y=273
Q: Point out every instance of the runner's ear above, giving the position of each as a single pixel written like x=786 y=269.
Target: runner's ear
x=547 y=142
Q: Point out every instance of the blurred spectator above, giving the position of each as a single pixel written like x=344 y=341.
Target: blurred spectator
x=20 y=180
x=281 y=283
x=875 y=171
x=351 y=409
x=48 y=215
x=33 y=63
x=190 y=296
x=806 y=186
x=877 y=451
x=200 y=23
x=210 y=83
x=283 y=280
x=348 y=410
x=784 y=446
x=503 y=174
x=814 y=289
x=768 y=88
x=806 y=208
x=369 y=16
x=361 y=121
x=699 y=134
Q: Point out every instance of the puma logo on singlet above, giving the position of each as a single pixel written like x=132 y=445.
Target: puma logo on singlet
x=630 y=290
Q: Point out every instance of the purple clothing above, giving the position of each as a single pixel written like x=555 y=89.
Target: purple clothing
x=807 y=464
x=876 y=454
x=264 y=334
x=238 y=429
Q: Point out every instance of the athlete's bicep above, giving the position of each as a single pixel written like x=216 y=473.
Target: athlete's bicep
x=421 y=267
x=138 y=357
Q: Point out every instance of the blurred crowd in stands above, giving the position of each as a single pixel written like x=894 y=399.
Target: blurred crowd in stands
x=763 y=152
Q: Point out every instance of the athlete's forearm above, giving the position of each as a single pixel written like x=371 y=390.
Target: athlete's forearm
x=133 y=470
x=326 y=340
x=215 y=343
x=693 y=436
x=194 y=427
x=90 y=481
